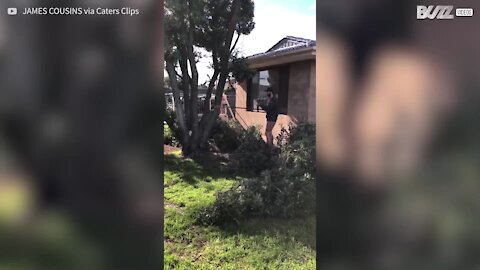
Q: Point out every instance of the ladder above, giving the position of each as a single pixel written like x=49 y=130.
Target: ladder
x=229 y=109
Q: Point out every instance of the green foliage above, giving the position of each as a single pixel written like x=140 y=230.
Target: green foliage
x=297 y=149
x=250 y=153
x=171 y=131
x=213 y=29
x=169 y=137
x=287 y=190
x=253 y=155
x=226 y=136
x=240 y=70
x=208 y=20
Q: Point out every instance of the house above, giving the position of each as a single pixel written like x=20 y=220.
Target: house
x=288 y=67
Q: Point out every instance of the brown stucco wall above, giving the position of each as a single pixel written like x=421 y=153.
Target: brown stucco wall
x=312 y=94
x=301 y=100
x=246 y=118
x=301 y=95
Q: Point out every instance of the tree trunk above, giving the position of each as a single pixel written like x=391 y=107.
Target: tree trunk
x=193 y=86
x=235 y=44
x=186 y=79
x=211 y=85
x=178 y=105
x=224 y=71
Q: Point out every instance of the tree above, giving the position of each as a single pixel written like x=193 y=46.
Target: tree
x=211 y=25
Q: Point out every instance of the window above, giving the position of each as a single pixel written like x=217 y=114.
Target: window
x=277 y=78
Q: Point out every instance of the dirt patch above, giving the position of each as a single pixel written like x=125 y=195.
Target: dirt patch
x=168 y=149
x=173 y=206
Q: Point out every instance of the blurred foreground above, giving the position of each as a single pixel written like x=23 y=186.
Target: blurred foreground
x=81 y=138
x=397 y=137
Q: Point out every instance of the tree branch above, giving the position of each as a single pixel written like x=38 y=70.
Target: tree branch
x=224 y=60
x=194 y=80
x=211 y=84
x=213 y=79
x=235 y=44
x=178 y=75
x=183 y=62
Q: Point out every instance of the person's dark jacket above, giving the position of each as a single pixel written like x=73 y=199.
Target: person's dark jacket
x=271 y=108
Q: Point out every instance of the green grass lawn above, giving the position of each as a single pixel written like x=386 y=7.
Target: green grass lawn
x=255 y=244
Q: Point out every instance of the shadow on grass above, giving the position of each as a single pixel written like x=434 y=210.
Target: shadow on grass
x=187 y=168
x=300 y=230
x=201 y=167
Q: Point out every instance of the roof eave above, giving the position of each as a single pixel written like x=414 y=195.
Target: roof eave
x=284 y=58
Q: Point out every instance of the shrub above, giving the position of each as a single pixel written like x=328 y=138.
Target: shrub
x=253 y=155
x=297 y=148
x=226 y=136
x=171 y=132
x=284 y=191
x=169 y=137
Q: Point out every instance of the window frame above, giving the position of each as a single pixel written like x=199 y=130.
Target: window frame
x=282 y=93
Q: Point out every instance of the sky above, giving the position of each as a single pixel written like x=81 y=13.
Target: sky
x=274 y=20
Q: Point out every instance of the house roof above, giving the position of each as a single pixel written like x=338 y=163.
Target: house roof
x=286 y=45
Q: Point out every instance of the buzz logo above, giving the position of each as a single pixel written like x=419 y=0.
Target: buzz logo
x=434 y=12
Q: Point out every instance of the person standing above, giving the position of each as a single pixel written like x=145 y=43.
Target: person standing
x=271 y=108
x=223 y=107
